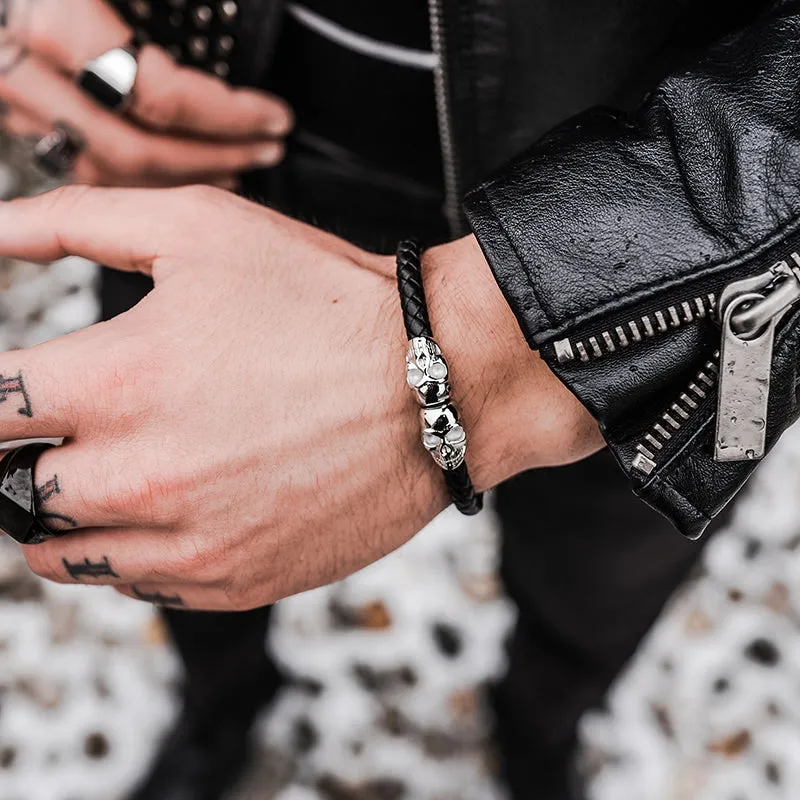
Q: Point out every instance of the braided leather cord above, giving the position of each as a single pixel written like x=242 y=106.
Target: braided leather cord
x=412 y=293
x=417 y=322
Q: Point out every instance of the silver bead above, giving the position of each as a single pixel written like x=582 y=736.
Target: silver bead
x=426 y=371
x=222 y=69
x=443 y=436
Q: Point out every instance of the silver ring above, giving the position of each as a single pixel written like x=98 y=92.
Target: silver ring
x=57 y=152
x=109 y=79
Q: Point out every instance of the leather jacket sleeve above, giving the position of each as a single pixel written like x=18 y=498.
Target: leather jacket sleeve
x=615 y=237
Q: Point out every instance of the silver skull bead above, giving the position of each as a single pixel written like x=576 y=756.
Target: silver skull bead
x=427 y=372
x=443 y=436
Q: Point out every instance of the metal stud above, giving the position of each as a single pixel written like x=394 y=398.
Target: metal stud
x=228 y=9
x=225 y=45
x=198 y=47
x=202 y=16
x=222 y=69
x=141 y=9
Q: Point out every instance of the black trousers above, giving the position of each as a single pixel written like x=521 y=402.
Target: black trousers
x=589 y=566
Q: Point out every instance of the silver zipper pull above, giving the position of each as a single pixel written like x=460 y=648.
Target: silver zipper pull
x=750 y=311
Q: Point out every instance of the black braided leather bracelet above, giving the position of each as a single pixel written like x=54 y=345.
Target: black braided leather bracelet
x=427 y=374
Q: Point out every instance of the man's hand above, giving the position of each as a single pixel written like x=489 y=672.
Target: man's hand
x=183 y=127
x=245 y=432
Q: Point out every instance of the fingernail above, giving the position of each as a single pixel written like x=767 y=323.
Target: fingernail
x=278 y=127
x=270 y=155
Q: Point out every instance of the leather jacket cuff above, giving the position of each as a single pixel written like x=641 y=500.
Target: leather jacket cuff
x=614 y=239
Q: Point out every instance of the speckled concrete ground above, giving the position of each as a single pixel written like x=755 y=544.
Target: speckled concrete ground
x=710 y=710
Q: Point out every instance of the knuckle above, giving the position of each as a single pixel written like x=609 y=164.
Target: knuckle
x=197 y=559
x=159 y=107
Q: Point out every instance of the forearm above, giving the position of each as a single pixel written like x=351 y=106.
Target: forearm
x=612 y=218
x=517 y=413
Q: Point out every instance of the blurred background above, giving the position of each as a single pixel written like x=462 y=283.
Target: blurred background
x=389 y=667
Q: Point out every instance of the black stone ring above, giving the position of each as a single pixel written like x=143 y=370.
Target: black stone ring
x=57 y=152
x=18 y=515
x=110 y=77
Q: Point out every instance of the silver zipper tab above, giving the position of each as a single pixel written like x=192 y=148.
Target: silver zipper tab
x=750 y=311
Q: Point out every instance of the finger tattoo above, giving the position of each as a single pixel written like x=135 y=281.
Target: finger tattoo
x=90 y=569
x=16 y=386
x=158 y=599
x=44 y=493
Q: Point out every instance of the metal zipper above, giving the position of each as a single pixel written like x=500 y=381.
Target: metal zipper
x=636 y=330
x=672 y=421
x=452 y=178
x=749 y=312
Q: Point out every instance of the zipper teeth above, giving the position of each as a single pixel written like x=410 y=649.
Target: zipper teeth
x=672 y=421
x=636 y=330
x=452 y=208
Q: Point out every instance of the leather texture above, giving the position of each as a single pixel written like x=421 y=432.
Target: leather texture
x=622 y=208
x=612 y=215
x=412 y=293
x=417 y=323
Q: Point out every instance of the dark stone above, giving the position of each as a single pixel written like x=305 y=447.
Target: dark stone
x=306 y=736
x=721 y=685
x=8 y=755
x=763 y=652
x=448 y=639
x=96 y=745
x=752 y=548
x=773 y=773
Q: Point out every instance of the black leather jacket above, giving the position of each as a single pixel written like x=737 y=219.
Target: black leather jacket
x=609 y=234
x=614 y=234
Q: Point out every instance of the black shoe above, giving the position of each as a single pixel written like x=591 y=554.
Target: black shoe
x=198 y=760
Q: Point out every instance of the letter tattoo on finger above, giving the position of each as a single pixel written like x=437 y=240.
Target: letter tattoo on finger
x=16 y=386
x=45 y=493
x=90 y=569
x=158 y=599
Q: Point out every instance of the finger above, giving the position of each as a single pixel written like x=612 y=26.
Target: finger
x=88 y=171
x=166 y=96
x=46 y=391
x=106 y=556
x=115 y=144
x=164 y=596
x=195 y=597
x=69 y=33
x=22 y=124
x=124 y=228
x=81 y=485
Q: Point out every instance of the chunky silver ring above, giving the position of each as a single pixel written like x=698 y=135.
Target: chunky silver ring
x=109 y=79
x=57 y=152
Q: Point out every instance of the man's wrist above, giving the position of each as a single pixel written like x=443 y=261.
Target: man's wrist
x=516 y=412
